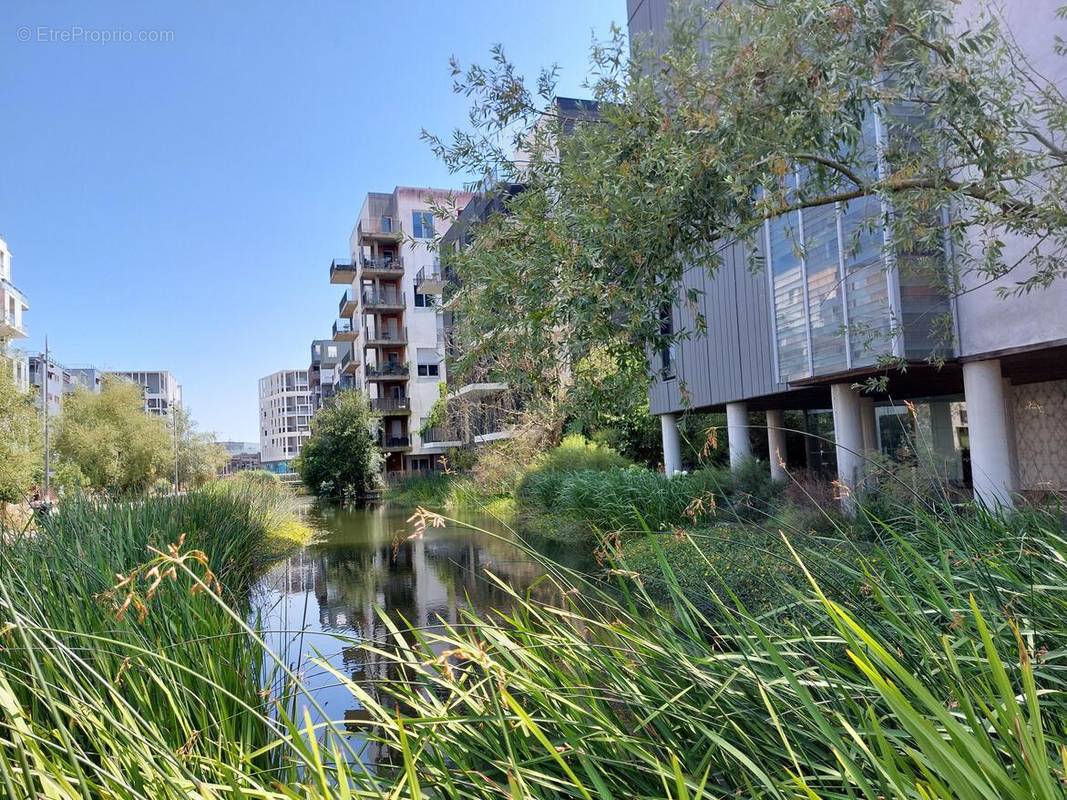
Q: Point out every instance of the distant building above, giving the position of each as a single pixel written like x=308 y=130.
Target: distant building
x=241 y=462
x=161 y=391
x=284 y=417
x=240 y=448
x=12 y=306
x=52 y=380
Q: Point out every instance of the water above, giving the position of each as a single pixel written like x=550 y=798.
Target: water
x=324 y=601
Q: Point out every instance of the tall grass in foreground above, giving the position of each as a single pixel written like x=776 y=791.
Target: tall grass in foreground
x=942 y=676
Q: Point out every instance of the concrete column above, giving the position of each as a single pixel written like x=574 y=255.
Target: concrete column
x=737 y=433
x=776 y=443
x=848 y=441
x=987 y=431
x=672 y=449
x=870 y=424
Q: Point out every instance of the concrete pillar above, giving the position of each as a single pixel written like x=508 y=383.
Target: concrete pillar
x=672 y=449
x=737 y=433
x=987 y=432
x=870 y=424
x=776 y=443
x=848 y=441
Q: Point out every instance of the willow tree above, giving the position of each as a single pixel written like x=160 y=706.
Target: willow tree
x=700 y=135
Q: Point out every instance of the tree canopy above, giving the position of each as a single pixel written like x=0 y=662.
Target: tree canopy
x=740 y=112
x=112 y=441
x=20 y=439
x=341 y=458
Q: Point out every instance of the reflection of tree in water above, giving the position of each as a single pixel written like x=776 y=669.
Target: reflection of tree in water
x=371 y=566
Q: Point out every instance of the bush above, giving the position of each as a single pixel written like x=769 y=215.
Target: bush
x=539 y=486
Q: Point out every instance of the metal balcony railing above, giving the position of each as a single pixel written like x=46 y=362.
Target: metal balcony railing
x=436 y=435
x=343 y=269
x=391 y=263
x=394 y=441
x=387 y=298
x=343 y=325
x=386 y=405
x=388 y=370
x=380 y=226
x=389 y=335
x=349 y=302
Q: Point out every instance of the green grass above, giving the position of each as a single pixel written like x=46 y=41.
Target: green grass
x=928 y=662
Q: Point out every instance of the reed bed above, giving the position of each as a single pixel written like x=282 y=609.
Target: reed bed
x=936 y=669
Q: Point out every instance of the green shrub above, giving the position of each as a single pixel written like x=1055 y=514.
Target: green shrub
x=538 y=487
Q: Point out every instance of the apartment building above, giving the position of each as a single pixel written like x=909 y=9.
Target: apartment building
x=324 y=372
x=777 y=340
x=284 y=417
x=162 y=392
x=388 y=313
x=482 y=409
x=13 y=304
x=52 y=381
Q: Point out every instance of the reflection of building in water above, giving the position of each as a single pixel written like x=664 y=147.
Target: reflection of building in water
x=375 y=569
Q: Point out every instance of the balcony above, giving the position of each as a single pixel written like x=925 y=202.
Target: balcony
x=342 y=270
x=385 y=228
x=382 y=266
x=343 y=330
x=349 y=303
x=387 y=406
x=430 y=280
x=10 y=327
x=439 y=437
x=393 y=443
x=386 y=337
x=349 y=363
x=388 y=372
x=383 y=301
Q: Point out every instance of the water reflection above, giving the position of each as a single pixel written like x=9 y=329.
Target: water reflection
x=327 y=599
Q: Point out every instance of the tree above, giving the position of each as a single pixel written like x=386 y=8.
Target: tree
x=200 y=457
x=703 y=137
x=341 y=458
x=20 y=439
x=108 y=436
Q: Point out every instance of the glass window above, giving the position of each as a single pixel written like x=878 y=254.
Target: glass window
x=429 y=370
x=788 y=287
x=825 y=309
x=424 y=300
x=422 y=224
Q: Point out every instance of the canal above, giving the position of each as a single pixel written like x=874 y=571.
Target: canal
x=327 y=599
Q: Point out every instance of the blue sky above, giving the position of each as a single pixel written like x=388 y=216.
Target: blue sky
x=175 y=205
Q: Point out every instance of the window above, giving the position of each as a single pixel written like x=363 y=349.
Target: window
x=424 y=300
x=666 y=353
x=429 y=370
x=331 y=351
x=422 y=224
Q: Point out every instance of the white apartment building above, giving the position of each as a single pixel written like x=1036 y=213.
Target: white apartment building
x=12 y=306
x=388 y=311
x=161 y=391
x=284 y=417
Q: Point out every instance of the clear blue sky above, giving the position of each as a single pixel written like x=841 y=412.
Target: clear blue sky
x=175 y=205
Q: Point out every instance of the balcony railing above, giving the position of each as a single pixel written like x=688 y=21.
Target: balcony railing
x=438 y=435
x=390 y=405
x=342 y=327
x=394 y=441
x=349 y=302
x=380 y=226
x=383 y=299
x=430 y=280
x=389 y=336
x=384 y=263
x=348 y=362
x=388 y=370
x=342 y=270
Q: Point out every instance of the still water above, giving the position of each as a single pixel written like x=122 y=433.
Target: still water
x=325 y=600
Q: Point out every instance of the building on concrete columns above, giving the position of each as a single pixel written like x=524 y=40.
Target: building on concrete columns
x=779 y=337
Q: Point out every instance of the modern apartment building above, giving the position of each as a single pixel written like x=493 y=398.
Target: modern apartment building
x=778 y=339
x=52 y=380
x=324 y=372
x=483 y=408
x=12 y=306
x=388 y=312
x=284 y=417
x=162 y=392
